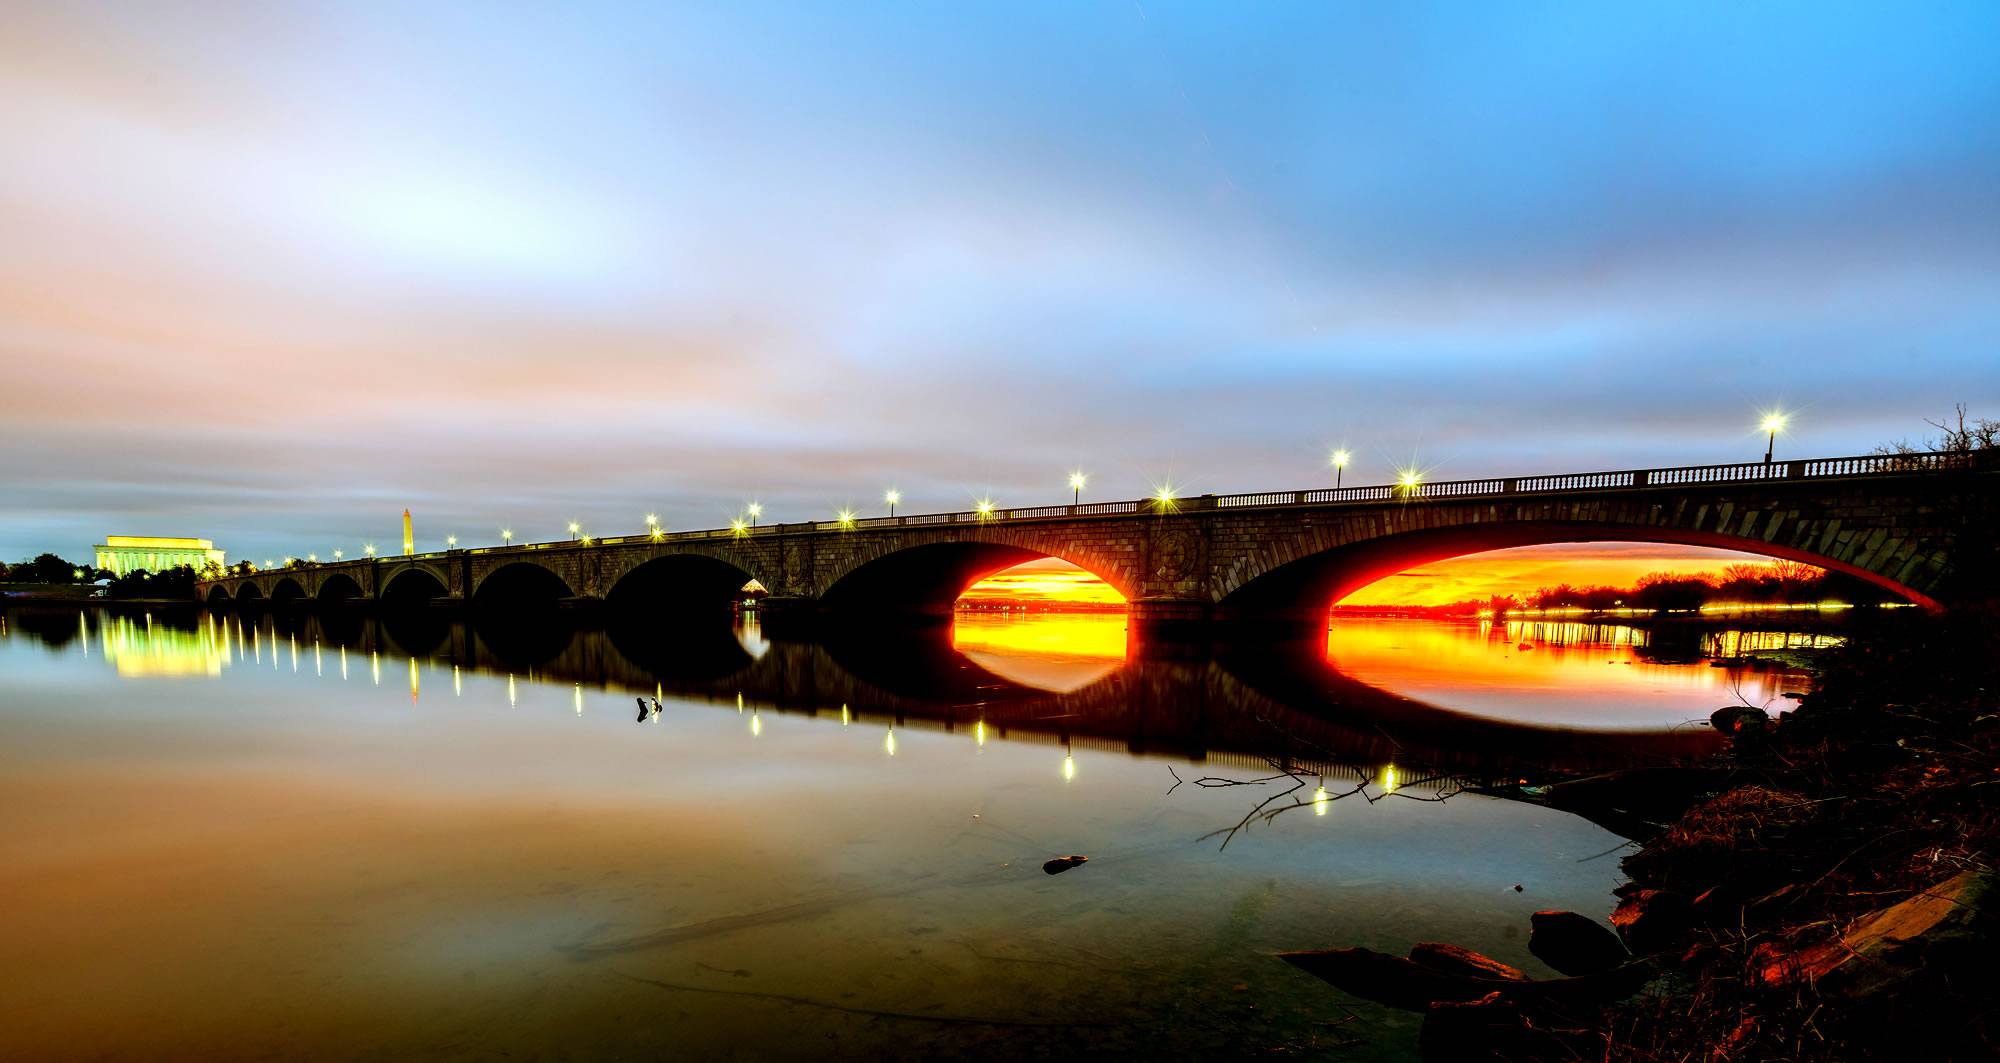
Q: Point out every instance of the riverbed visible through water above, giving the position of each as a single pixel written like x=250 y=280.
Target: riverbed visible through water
x=341 y=837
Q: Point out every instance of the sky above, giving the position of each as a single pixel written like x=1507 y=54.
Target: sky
x=274 y=272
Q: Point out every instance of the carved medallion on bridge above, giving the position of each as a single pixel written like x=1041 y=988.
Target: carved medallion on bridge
x=1174 y=555
x=797 y=568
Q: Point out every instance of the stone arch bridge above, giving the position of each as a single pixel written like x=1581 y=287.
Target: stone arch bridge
x=1913 y=524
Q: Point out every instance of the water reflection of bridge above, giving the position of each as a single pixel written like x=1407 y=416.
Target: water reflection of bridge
x=1232 y=707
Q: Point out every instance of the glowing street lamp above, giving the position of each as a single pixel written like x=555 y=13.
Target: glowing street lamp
x=506 y=537
x=1408 y=481
x=756 y=510
x=370 y=549
x=1339 y=467
x=451 y=542
x=1076 y=482
x=337 y=555
x=653 y=525
x=846 y=518
x=738 y=527
x=985 y=509
x=1771 y=424
x=893 y=497
x=573 y=531
x=313 y=558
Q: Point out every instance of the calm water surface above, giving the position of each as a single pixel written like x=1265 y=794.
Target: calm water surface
x=303 y=838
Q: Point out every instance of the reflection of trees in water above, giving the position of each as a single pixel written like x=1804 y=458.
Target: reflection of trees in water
x=55 y=628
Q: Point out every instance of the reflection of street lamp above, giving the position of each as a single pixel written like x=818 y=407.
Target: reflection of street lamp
x=755 y=510
x=1076 y=481
x=893 y=497
x=1772 y=424
x=1339 y=467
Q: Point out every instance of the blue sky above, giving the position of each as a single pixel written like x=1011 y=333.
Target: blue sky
x=275 y=271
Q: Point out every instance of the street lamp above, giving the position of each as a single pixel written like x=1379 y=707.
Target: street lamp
x=337 y=555
x=1771 y=424
x=451 y=542
x=1339 y=467
x=985 y=508
x=1076 y=482
x=506 y=537
x=313 y=558
x=846 y=518
x=755 y=510
x=572 y=530
x=893 y=497
x=370 y=548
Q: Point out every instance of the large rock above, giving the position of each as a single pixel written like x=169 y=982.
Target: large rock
x=1457 y=959
x=1574 y=944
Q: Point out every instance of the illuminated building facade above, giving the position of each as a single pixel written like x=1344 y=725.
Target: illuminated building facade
x=129 y=553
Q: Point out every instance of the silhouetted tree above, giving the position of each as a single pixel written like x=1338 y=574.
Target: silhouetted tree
x=1671 y=592
x=48 y=568
x=169 y=583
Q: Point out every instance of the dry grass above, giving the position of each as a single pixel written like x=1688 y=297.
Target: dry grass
x=1882 y=785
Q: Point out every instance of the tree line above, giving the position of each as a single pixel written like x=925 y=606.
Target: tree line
x=177 y=582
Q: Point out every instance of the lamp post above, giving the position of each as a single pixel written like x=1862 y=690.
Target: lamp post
x=1772 y=424
x=506 y=537
x=1339 y=467
x=1076 y=482
x=337 y=555
x=653 y=525
x=573 y=531
x=451 y=542
x=893 y=497
x=755 y=510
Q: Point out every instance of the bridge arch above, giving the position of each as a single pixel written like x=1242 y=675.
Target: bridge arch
x=287 y=589
x=248 y=591
x=217 y=594
x=339 y=587
x=677 y=582
x=413 y=583
x=928 y=573
x=521 y=584
x=1285 y=580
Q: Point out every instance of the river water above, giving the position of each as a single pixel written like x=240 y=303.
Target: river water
x=234 y=837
